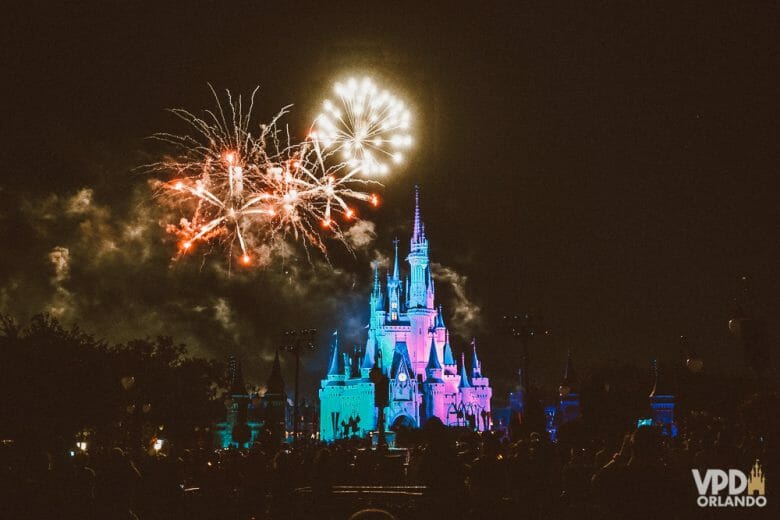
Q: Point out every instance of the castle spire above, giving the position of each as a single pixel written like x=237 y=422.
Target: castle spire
x=275 y=384
x=395 y=263
x=448 y=359
x=368 y=357
x=433 y=358
x=440 y=318
x=419 y=233
x=464 y=377
x=376 y=277
x=476 y=366
x=333 y=364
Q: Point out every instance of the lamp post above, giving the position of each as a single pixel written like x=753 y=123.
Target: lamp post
x=298 y=341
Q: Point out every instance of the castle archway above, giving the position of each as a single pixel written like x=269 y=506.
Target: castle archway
x=402 y=421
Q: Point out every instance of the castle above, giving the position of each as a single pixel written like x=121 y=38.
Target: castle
x=409 y=342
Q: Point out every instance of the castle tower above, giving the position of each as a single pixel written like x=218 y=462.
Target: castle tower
x=275 y=398
x=434 y=386
x=407 y=338
x=236 y=431
x=369 y=357
x=421 y=312
x=394 y=290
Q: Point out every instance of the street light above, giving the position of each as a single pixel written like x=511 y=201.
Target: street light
x=298 y=341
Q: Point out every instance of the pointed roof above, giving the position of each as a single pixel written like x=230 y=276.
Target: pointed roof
x=368 y=356
x=440 y=318
x=418 y=233
x=377 y=289
x=476 y=367
x=433 y=357
x=275 y=384
x=464 y=377
x=448 y=359
x=333 y=364
x=395 y=262
x=237 y=386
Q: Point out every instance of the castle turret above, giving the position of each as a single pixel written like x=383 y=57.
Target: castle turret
x=421 y=312
x=336 y=363
x=449 y=360
x=418 y=259
x=464 y=377
x=369 y=357
x=434 y=386
x=275 y=398
x=433 y=369
x=476 y=366
x=234 y=431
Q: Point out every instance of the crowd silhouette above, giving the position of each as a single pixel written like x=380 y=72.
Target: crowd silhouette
x=438 y=473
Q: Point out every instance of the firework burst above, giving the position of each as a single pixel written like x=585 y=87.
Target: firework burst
x=246 y=193
x=369 y=127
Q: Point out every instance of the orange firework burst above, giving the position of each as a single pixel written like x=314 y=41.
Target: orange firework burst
x=246 y=191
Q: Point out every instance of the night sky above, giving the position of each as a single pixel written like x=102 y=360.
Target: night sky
x=611 y=168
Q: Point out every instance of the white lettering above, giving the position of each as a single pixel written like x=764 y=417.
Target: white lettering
x=720 y=480
x=702 y=484
x=734 y=476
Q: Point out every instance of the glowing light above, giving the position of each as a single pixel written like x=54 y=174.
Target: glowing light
x=248 y=191
x=370 y=130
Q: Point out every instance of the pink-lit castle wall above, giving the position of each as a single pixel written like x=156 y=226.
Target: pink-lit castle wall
x=409 y=341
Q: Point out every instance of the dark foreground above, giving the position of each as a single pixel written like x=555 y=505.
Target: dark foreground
x=442 y=474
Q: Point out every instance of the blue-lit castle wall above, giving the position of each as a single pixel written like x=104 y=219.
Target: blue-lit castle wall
x=409 y=341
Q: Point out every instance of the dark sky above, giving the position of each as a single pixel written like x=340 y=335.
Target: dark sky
x=610 y=167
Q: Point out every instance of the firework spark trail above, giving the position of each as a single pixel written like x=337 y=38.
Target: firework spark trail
x=368 y=127
x=250 y=192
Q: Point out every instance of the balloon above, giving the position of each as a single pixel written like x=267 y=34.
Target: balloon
x=130 y=408
x=127 y=382
x=146 y=407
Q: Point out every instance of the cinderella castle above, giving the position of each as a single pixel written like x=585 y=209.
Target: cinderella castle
x=409 y=342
